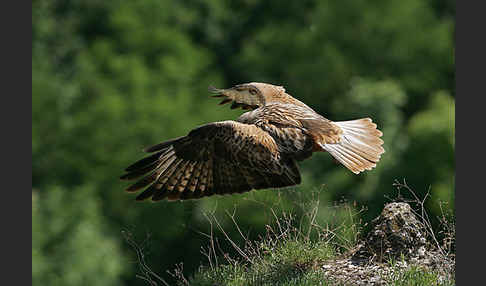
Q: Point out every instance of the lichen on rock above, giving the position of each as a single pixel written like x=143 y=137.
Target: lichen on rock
x=396 y=232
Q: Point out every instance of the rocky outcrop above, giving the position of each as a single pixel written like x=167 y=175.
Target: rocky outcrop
x=397 y=235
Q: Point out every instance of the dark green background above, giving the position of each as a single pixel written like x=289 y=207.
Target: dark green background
x=111 y=77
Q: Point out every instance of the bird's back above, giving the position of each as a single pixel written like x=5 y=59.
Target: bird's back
x=282 y=122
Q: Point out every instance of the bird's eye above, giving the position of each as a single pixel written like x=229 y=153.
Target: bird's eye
x=253 y=91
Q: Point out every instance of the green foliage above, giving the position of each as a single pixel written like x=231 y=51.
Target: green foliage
x=71 y=244
x=434 y=126
x=111 y=77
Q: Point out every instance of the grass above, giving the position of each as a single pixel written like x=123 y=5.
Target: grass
x=294 y=250
x=415 y=276
x=289 y=263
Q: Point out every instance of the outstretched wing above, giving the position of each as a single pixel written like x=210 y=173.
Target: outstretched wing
x=217 y=158
x=254 y=95
x=239 y=96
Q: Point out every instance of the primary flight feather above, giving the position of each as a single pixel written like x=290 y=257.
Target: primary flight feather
x=257 y=151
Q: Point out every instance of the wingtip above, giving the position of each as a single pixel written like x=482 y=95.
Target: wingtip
x=124 y=177
x=213 y=89
x=148 y=149
x=224 y=101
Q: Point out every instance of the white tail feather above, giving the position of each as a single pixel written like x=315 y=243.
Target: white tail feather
x=360 y=146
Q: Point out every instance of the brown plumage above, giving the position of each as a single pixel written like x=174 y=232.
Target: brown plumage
x=257 y=151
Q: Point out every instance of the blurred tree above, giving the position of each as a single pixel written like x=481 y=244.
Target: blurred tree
x=70 y=245
x=430 y=157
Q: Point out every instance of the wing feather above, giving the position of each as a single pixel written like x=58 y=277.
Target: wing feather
x=217 y=158
x=238 y=97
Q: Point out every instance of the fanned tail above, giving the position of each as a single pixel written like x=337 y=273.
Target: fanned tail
x=360 y=146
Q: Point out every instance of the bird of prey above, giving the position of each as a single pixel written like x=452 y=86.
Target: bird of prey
x=259 y=150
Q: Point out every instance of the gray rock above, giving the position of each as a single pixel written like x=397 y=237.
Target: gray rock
x=396 y=233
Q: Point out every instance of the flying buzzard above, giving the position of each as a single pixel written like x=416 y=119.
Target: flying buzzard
x=257 y=151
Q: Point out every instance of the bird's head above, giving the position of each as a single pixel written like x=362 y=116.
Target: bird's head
x=248 y=95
